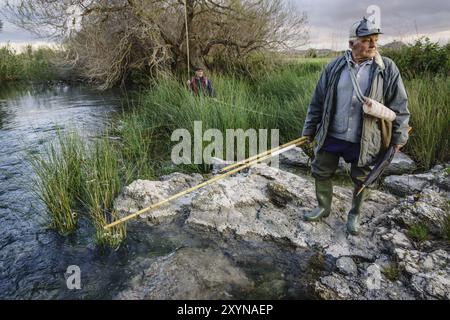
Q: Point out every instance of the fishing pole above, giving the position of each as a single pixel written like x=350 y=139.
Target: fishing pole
x=262 y=154
x=240 y=107
x=205 y=183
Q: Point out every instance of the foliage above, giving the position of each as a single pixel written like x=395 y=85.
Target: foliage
x=392 y=272
x=423 y=57
x=430 y=119
x=111 y=40
x=418 y=232
x=31 y=64
x=73 y=177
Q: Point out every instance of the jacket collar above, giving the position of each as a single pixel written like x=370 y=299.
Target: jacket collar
x=378 y=59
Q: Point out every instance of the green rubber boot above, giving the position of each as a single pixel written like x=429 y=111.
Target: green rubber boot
x=324 y=194
x=355 y=212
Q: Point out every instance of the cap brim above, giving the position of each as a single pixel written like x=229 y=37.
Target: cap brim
x=364 y=34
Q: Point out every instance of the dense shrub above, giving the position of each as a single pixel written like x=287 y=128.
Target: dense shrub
x=422 y=57
x=31 y=64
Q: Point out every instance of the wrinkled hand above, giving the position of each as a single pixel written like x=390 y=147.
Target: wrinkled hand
x=309 y=139
x=397 y=147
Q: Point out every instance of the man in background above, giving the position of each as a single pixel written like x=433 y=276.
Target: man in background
x=200 y=84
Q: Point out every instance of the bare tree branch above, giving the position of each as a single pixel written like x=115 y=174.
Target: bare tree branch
x=107 y=39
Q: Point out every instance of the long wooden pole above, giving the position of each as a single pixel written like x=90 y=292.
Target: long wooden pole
x=302 y=139
x=187 y=38
x=208 y=182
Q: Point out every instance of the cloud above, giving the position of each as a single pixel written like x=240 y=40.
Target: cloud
x=401 y=19
x=330 y=20
x=12 y=33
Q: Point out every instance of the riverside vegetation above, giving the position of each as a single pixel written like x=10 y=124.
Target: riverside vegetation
x=29 y=65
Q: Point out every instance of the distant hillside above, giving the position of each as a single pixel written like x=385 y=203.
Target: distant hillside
x=394 y=45
x=328 y=53
x=314 y=53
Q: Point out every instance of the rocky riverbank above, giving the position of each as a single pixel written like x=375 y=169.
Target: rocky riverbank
x=401 y=252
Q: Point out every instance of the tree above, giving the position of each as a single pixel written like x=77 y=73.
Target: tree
x=110 y=39
x=311 y=53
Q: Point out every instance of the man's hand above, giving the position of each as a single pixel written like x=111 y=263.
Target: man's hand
x=309 y=139
x=398 y=147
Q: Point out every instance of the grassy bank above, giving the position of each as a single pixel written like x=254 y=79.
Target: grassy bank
x=89 y=177
x=280 y=100
x=275 y=101
x=429 y=104
x=30 y=65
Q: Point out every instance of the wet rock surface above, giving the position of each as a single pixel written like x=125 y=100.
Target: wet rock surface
x=409 y=184
x=143 y=193
x=264 y=206
x=400 y=164
x=295 y=157
x=188 y=273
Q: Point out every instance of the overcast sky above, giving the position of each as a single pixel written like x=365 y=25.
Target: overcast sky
x=329 y=21
x=404 y=20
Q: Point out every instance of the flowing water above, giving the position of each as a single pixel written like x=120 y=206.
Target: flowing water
x=34 y=259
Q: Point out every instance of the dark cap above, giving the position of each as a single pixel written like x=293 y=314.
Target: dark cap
x=198 y=68
x=364 y=28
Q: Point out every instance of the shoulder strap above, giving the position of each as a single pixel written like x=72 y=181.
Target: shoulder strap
x=358 y=92
x=193 y=85
x=205 y=81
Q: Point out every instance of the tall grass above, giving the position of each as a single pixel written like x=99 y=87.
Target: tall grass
x=425 y=65
x=137 y=142
x=31 y=64
x=85 y=178
x=59 y=181
x=429 y=104
x=101 y=185
x=275 y=101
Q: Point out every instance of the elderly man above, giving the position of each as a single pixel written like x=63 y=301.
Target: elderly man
x=336 y=119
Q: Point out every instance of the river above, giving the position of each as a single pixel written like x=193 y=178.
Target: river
x=34 y=258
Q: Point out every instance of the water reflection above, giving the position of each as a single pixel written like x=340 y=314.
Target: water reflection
x=31 y=256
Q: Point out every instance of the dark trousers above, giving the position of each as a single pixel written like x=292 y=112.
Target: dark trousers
x=327 y=159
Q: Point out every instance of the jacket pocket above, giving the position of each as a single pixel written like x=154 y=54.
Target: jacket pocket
x=372 y=139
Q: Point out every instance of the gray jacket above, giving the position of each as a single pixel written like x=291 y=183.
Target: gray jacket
x=386 y=87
